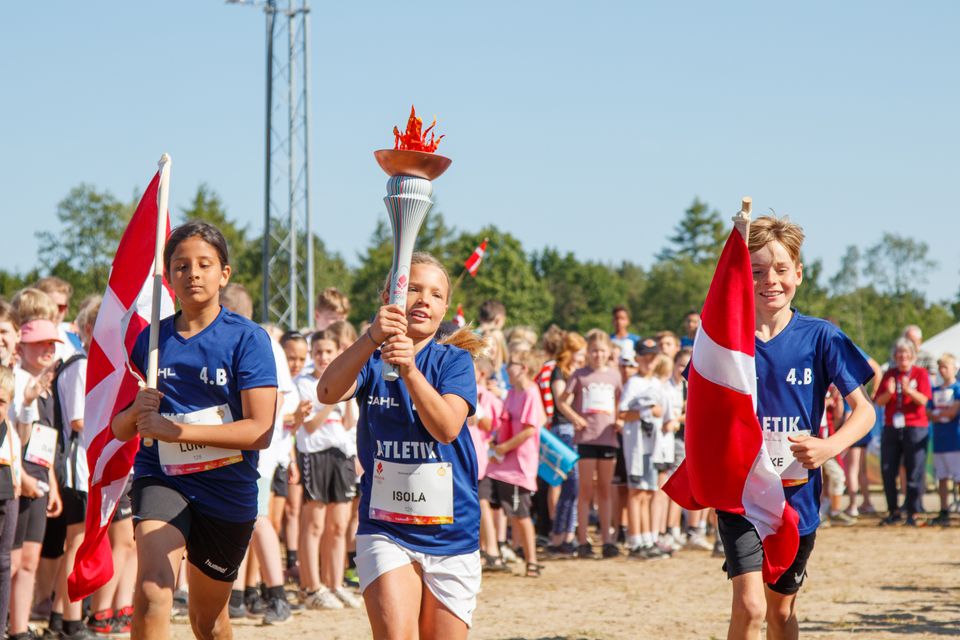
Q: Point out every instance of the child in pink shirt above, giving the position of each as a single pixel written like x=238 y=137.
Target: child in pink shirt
x=483 y=427
x=516 y=456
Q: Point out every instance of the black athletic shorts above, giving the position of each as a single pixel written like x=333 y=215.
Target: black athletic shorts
x=485 y=490
x=744 y=552
x=74 y=512
x=214 y=546
x=279 y=484
x=515 y=501
x=327 y=476
x=596 y=452
x=31 y=520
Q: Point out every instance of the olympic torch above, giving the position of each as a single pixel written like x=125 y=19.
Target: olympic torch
x=412 y=166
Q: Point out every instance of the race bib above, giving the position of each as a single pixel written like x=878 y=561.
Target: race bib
x=942 y=399
x=180 y=458
x=412 y=493
x=791 y=472
x=599 y=398
x=42 y=447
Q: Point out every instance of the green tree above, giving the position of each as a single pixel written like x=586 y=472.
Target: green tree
x=583 y=292
x=898 y=264
x=82 y=251
x=698 y=237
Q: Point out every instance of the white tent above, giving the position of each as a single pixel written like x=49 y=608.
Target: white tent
x=947 y=341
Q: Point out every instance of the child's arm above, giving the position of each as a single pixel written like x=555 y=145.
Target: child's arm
x=339 y=380
x=562 y=403
x=886 y=390
x=318 y=418
x=252 y=432
x=442 y=415
x=349 y=415
x=507 y=446
x=813 y=452
x=54 y=503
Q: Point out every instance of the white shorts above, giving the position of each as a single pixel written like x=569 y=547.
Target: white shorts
x=946 y=465
x=263 y=495
x=454 y=580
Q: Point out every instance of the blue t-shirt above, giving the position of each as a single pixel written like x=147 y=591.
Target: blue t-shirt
x=206 y=370
x=946 y=435
x=389 y=429
x=794 y=370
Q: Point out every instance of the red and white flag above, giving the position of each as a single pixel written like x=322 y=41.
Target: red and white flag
x=473 y=262
x=727 y=466
x=459 y=319
x=111 y=386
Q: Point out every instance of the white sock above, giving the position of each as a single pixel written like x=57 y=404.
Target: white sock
x=635 y=541
x=702 y=527
x=647 y=538
x=675 y=532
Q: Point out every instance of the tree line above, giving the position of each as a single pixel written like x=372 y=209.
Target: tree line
x=876 y=291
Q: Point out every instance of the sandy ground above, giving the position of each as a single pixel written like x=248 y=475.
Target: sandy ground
x=876 y=583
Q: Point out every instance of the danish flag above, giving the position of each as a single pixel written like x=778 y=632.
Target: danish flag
x=727 y=466
x=111 y=386
x=459 y=319
x=473 y=262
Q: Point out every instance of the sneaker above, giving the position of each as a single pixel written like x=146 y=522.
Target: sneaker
x=653 y=552
x=893 y=519
x=610 y=550
x=349 y=600
x=718 y=548
x=180 y=604
x=667 y=540
x=665 y=548
x=278 y=611
x=842 y=518
x=585 y=552
x=256 y=605
x=852 y=511
x=237 y=612
x=350 y=579
x=561 y=551
x=323 y=598
x=83 y=633
x=48 y=634
x=122 y=621
x=507 y=553
x=101 y=621
x=942 y=520
x=913 y=521
x=696 y=541
x=868 y=509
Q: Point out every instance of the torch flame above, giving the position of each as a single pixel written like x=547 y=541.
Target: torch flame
x=414 y=138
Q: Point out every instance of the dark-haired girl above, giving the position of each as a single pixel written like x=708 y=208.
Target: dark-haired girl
x=195 y=487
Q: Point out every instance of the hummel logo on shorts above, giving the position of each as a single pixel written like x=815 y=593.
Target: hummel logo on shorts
x=213 y=566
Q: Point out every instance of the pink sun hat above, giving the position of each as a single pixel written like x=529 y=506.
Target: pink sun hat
x=39 y=331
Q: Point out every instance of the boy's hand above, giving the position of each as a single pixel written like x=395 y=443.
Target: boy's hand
x=390 y=320
x=293 y=473
x=579 y=422
x=811 y=452
x=39 y=386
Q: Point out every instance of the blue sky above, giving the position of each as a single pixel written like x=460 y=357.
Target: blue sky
x=588 y=126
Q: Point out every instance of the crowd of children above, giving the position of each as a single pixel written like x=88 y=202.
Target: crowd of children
x=616 y=399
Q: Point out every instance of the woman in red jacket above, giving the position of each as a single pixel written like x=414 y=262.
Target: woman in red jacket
x=904 y=392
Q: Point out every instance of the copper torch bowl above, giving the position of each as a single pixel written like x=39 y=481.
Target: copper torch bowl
x=418 y=164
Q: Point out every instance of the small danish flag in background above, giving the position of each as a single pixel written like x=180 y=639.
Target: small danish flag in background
x=458 y=319
x=473 y=262
x=727 y=465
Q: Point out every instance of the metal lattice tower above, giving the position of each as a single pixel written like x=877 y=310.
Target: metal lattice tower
x=287 y=251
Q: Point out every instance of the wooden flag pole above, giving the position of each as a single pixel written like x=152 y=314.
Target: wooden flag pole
x=163 y=198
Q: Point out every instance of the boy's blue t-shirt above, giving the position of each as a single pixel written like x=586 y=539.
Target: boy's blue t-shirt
x=390 y=430
x=794 y=370
x=206 y=370
x=946 y=435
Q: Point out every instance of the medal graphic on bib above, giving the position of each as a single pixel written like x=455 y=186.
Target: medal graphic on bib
x=412 y=493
